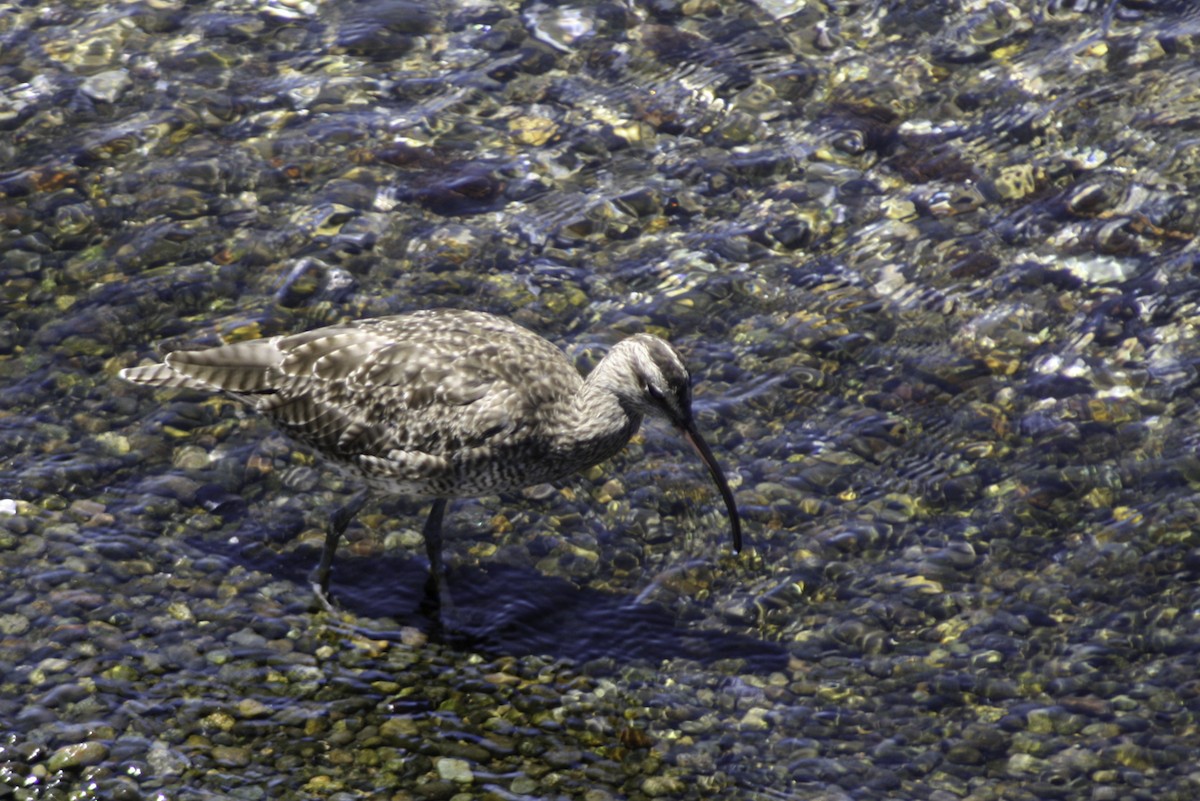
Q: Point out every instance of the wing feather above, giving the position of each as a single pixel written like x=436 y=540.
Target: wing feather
x=428 y=385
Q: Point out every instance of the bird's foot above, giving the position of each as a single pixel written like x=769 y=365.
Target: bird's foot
x=338 y=521
x=321 y=594
x=437 y=604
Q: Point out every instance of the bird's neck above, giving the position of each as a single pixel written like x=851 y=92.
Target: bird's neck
x=596 y=418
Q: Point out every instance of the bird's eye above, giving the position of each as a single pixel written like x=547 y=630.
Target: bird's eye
x=654 y=392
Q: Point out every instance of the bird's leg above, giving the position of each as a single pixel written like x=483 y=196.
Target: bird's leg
x=433 y=535
x=435 y=588
x=338 y=521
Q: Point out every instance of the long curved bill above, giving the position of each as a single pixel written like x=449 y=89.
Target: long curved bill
x=701 y=448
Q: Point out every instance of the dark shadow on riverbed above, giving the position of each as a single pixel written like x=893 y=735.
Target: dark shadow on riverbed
x=509 y=610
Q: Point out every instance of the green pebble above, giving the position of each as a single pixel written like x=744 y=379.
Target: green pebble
x=658 y=786
x=77 y=756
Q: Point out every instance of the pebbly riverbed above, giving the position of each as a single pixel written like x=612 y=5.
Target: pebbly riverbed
x=933 y=266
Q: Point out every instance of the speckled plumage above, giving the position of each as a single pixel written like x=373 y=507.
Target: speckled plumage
x=444 y=403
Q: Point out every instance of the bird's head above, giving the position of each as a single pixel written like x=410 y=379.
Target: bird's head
x=657 y=383
x=653 y=381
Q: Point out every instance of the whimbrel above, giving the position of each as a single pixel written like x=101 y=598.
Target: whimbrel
x=441 y=404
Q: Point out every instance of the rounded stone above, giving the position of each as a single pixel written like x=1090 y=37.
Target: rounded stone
x=77 y=756
x=455 y=770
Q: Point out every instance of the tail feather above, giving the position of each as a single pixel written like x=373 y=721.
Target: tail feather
x=158 y=375
x=242 y=367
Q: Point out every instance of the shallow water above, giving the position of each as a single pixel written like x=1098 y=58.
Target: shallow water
x=932 y=266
